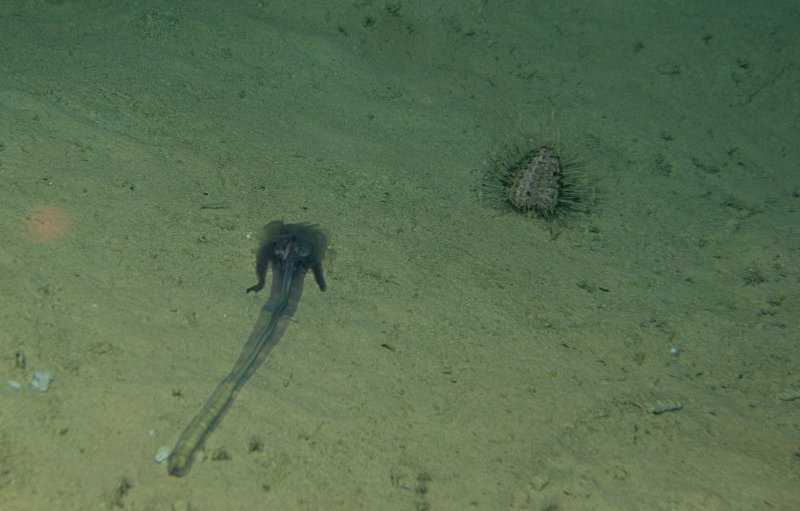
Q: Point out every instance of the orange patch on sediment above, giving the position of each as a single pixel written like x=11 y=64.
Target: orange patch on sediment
x=47 y=223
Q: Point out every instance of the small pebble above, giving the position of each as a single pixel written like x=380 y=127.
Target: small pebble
x=538 y=482
x=41 y=380
x=162 y=454
x=14 y=385
x=663 y=406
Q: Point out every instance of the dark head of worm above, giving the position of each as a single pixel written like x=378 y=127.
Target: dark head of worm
x=291 y=250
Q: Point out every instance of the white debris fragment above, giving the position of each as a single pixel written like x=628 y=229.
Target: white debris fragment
x=162 y=454
x=14 y=385
x=41 y=380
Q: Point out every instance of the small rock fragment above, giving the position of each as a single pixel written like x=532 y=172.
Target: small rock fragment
x=41 y=380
